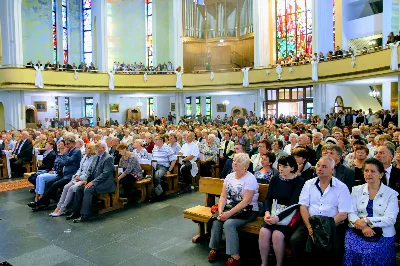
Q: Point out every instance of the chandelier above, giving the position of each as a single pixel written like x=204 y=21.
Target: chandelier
x=374 y=93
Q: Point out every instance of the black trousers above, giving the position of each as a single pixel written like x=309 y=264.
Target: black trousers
x=300 y=257
x=127 y=184
x=51 y=192
x=185 y=172
x=17 y=167
x=83 y=201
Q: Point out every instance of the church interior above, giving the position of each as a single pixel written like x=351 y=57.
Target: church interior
x=184 y=91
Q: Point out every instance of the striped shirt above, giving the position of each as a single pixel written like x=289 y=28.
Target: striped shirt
x=164 y=155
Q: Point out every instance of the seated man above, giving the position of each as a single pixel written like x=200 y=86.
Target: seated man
x=166 y=160
x=71 y=160
x=325 y=196
x=100 y=181
x=190 y=151
x=21 y=155
x=239 y=148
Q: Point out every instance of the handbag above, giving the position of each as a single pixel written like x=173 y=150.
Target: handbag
x=378 y=234
x=244 y=213
x=276 y=209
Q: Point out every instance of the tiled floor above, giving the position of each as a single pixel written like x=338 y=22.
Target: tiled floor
x=141 y=234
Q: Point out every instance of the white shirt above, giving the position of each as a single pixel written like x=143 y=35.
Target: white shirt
x=387 y=172
x=256 y=160
x=235 y=189
x=336 y=198
x=190 y=149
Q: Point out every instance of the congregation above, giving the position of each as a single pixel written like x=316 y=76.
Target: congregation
x=338 y=176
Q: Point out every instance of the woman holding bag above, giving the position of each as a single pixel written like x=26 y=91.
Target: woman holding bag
x=237 y=206
x=281 y=204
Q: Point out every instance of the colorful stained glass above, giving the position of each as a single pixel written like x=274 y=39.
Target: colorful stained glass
x=54 y=29
x=65 y=55
x=65 y=39
x=87 y=3
x=87 y=19
x=54 y=56
x=149 y=30
x=293 y=27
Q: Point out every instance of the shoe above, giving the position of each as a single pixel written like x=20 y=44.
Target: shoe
x=81 y=219
x=72 y=216
x=212 y=257
x=40 y=208
x=57 y=214
x=232 y=262
x=32 y=190
x=32 y=204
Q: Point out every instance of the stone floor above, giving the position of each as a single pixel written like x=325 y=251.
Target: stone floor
x=142 y=234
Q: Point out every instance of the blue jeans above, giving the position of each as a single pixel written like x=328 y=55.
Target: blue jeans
x=41 y=182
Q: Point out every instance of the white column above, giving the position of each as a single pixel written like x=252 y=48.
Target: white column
x=61 y=107
x=262 y=40
x=99 y=34
x=11 y=32
x=386 y=95
x=322 y=23
x=260 y=103
x=14 y=109
x=179 y=105
x=177 y=40
x=319 y=100
x=102 y=100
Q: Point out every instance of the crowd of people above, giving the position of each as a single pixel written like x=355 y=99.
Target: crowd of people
x=63 y=67
x=333 y=182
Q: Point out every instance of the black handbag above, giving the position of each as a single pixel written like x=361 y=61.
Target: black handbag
x=244 y=213
x=378 y=234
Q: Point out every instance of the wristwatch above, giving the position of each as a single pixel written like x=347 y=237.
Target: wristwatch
x=366 y=221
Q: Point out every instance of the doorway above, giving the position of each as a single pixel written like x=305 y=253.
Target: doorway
x=2 y=117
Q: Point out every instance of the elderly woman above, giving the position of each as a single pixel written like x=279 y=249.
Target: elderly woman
x=361 y=155
x=210 y=152
x=267 y=172
x=139 y=151
x=78 y=179
x=52 y=174
x=277 y=149
x=240 y=191
x=371 y=238
x=293 y=143
x=280 y=206
x=131 y=169
x=304 y=168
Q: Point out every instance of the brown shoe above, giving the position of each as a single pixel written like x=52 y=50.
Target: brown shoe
x=212 y=257
x=232 y=262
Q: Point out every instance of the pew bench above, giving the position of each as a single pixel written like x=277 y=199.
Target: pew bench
x=112 y=201
x=200 y=215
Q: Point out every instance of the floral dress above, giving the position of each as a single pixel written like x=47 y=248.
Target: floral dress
x=376 y=252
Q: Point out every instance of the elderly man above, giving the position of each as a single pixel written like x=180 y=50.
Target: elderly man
x=100 y=181
x=316 y=144
x=385 y=153
x=166 y=160
x=326 y=196
x=71 y=160
x=21 y=155
x=190 y=151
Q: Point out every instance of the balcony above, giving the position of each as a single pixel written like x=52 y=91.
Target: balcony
x=369 y=65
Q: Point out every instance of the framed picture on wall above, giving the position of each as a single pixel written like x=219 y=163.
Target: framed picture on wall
x=221 y=108
x=41 y=106
x=114 y=107
x=172 y=107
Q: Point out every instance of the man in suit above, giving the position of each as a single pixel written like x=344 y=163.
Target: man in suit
x=100 y=181
x=21 y=155
x=341 y=172
x=387 y=118
x=71 y=160
x=316 y=145
x=302 y=142
x=239 y=148
x=113 y=150
x=385 y=154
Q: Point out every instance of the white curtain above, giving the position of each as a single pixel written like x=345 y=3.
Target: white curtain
x=111 y=80
x=245 y=76
x=221 y=19
x=212 y=21
x=189 y=20
x=314 y=65
x=231 y=19
x=38 y=77
x=394 y=61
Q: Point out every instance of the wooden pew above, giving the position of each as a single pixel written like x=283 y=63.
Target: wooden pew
x=195 y=179
x=212 y=187
x=172 y=181
x=112 y=201
x=145 y=186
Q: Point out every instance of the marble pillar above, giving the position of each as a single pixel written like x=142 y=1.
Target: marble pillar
x=262 y=40
x=322 y=23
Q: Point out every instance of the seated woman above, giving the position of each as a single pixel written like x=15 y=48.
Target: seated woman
x=49 y=156
x=78 y=179
x=267 y=172
x=131 y=169
x=280 y=206
x=361 y=155
x=277 y=149
x=304 y=168
x=371 y=238
x=52 y=174
x=139 y=151
x=240 y=191
x=210 y=151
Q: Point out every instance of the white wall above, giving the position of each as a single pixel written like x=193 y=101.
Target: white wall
x=126 y=103
x=363 y=27
x=356 y=97
x=162 y=14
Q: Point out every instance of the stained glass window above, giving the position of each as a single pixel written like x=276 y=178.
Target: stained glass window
x=57 y=107
x=67 y=113
x=188 y=105
x=64 y=15
x=87 y=31
x=198 y=106
x=334 y=23
x=89 y=109
x=54 y=20
x=208 y=107
x=151 y=106
x=149 y=30
x=293 y=27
